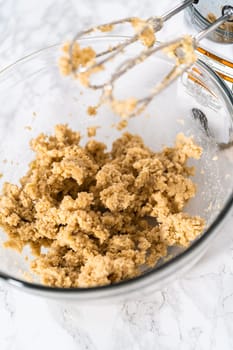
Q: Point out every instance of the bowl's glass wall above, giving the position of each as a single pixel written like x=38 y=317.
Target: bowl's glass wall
x=34 y=98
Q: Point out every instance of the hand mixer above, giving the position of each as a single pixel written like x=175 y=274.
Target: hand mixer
x=182 y=49
x=155 y=22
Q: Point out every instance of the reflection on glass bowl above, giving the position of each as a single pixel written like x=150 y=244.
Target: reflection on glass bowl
x=34 y=95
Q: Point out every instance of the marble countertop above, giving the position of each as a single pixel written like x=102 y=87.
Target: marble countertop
x=195 y=312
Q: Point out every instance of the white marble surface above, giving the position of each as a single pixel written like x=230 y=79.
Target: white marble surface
x=193 y=313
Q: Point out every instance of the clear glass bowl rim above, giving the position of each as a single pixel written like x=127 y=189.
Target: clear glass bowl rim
x=123 y=285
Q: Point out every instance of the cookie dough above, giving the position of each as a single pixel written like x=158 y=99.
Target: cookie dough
x=80 y=57
x=72 y=60
x=94 y=217
x=91 y=131
x=92 y=110
x=145 y=31
x=226 y=26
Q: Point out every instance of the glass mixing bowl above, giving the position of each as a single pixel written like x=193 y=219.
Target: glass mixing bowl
x=34 y=97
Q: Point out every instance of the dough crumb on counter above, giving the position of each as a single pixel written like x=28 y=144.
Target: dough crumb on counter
x=91 y=131
x=92 y=110
x=122 y=124
x=95 y=217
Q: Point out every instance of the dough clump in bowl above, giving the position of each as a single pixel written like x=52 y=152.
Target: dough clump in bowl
x=94 y=217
